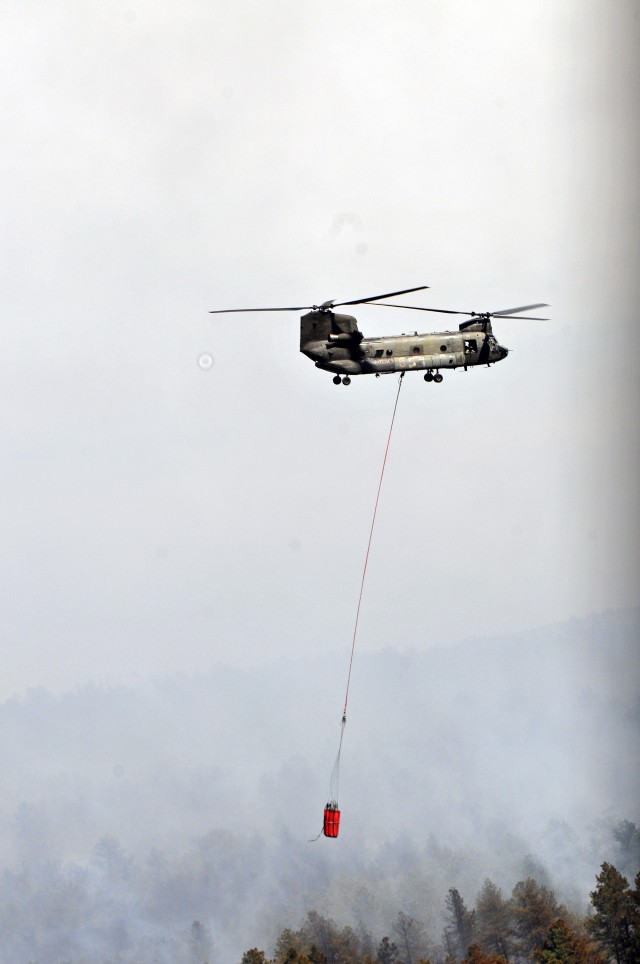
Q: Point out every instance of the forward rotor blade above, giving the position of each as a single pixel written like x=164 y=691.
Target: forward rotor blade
x=389 y=294
x=328 y=305
x=512 y=311
x=228 y=311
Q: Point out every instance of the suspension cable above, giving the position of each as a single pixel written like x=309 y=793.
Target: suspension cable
x=335 y=773
x=332 y=806
x=366 y=560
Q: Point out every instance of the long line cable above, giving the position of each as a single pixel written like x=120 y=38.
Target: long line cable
x=366 y=558
x=335 y=775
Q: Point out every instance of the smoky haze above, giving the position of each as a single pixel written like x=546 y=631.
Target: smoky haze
x=186 y=500
x=160 y=162
x=147 y=807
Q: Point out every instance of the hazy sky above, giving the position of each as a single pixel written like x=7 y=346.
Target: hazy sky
x=162 y=159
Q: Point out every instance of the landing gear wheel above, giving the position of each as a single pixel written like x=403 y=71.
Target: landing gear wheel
x=346 y=380
x=336 y=380
x=428 y=377
x=437 y=378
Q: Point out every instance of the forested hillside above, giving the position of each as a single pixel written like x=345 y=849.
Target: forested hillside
x=170 y=819
x=529 y=926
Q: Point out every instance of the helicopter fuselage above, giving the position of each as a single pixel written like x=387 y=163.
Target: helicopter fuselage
x=335 y=344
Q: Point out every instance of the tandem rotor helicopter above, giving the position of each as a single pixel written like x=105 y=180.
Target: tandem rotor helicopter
x=334 y=342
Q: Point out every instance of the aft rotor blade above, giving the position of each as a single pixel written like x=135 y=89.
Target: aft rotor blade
x=473 y=314
x=501 y=314
x=440 y=311
x=389 y=294
x=228 y=311
x=513 y=311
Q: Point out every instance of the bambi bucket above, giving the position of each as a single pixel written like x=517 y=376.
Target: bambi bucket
x=331 y=820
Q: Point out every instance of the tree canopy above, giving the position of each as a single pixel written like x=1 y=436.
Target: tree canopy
x=531 y=927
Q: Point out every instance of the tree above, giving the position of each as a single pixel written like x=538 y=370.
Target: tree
x=533 y=910
x=319 y=941
x=460 y=930
x=475 y=955
x=297 y=957
x=616 y=912
x=493 y=921
x=200 y=944
x=635 y=918
x=627 y=837
x=287 y=942
x=387 y=952
x=324 y=937
x=113 y=862
x=411 y=938
x=254 y=956
x=562 y=946
x=315 y=957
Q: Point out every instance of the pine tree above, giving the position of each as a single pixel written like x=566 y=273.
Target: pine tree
x=296 y=957
x=635 y=919
x=475 y=955
x=459 y=933
x=321 y=933
x=411 y=937
x=533 y=910
x=562 y=946
x=612 y=925
x=254 y=956
x=288 y=941
x=627 y=837
x=493 y=921
x=200 y=943
x=387 y=952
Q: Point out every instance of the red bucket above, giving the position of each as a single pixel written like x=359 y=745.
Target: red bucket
x=331 y=824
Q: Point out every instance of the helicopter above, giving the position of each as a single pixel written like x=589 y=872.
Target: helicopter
x=335 y=343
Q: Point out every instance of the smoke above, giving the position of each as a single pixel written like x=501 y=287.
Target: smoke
x=132 y=813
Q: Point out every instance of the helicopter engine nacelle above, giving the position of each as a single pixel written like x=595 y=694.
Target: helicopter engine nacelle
x=328 y=326
x=482 y=325
x=346 y=338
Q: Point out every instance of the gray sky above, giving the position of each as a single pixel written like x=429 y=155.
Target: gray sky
x=163 y=159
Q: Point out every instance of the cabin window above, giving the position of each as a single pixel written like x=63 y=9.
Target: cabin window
x=443 y=347
x=416 y=350
x=470 y=346
x=389 y=351
x=378 y=352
